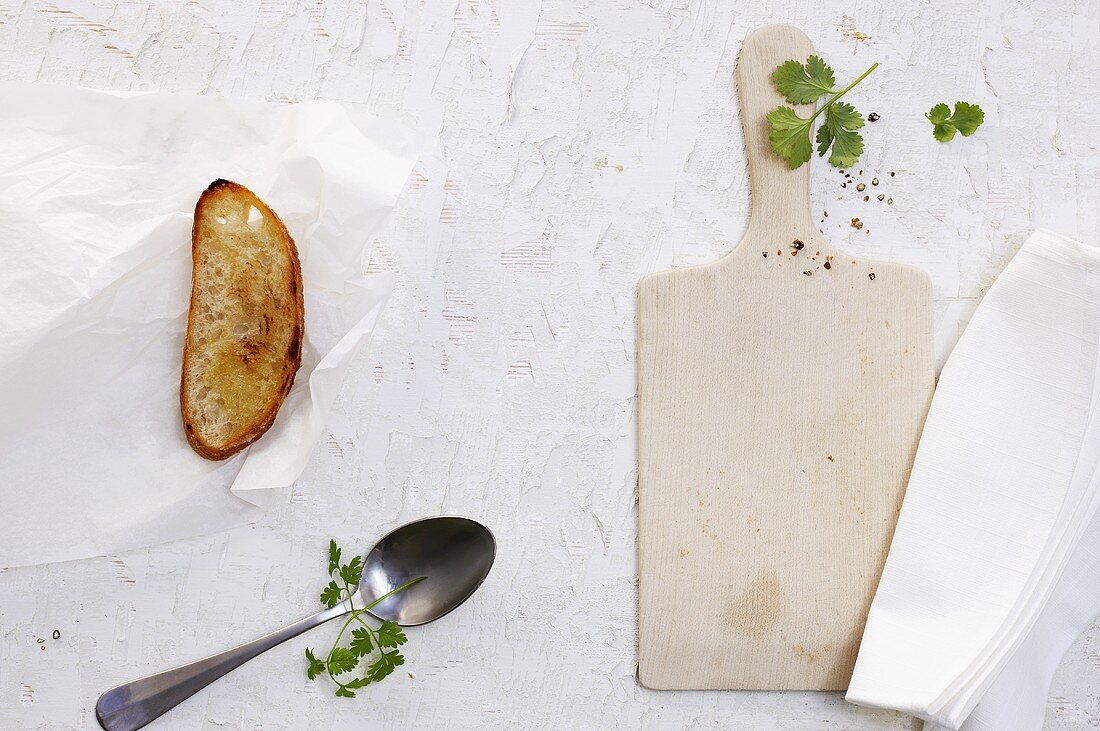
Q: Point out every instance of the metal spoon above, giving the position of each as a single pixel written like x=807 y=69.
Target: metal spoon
x=455 y=554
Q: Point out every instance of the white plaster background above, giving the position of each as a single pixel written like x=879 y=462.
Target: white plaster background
x=567 y=149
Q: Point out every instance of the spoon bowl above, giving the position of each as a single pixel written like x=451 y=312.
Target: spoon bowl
x=454 y=554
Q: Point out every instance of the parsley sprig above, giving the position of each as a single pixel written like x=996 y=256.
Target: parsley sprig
x=790 y=134
x=365 y=639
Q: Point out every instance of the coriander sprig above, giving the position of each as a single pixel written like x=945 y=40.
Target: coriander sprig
x=790 y=134
x=365 y=639
x=965 y=119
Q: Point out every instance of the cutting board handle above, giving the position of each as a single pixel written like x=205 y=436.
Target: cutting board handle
x=780 y=196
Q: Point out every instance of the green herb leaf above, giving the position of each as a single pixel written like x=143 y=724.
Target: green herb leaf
x=804 y=83
x=333 y=557
x=330 y=597
x=366 y=642
x=790 y=136
x=361 y=643
x=352 y=572
x=965 y=119
x=316 y=667
x=838 y=130
x=390 y=635
x=386 y=663
x=342 y=660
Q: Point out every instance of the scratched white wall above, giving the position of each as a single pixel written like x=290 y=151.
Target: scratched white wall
x=568 y=149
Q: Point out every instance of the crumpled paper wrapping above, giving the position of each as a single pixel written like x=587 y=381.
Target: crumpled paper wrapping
x=97 y=195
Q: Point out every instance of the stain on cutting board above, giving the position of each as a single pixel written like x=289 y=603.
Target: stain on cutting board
x=757 y=609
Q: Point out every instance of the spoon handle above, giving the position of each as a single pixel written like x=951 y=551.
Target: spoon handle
x=132 y=705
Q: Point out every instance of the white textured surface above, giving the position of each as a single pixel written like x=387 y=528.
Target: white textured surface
x=567 y=150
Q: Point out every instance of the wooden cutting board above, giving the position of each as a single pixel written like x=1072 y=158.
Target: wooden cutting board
x=781 y=394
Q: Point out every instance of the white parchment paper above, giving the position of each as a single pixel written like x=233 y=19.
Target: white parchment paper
x=97 y=194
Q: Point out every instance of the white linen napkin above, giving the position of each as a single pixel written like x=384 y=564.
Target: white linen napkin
x=97 y=194
x=1000 y=501
x=1017 y=697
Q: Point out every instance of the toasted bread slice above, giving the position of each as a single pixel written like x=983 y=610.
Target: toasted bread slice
x=245 y=323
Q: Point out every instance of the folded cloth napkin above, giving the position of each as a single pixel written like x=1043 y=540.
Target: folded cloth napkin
x=991 y=573
x=1017 y=697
